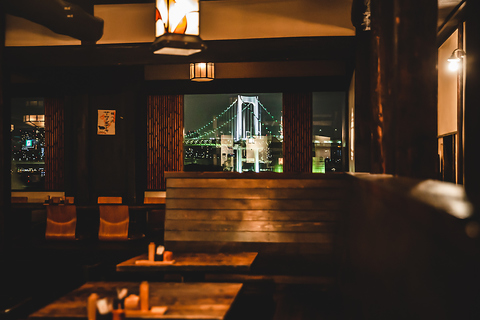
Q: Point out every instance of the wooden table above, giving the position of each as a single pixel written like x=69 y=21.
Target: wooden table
x=193 y=266
x=183 y=300
x=238 y=262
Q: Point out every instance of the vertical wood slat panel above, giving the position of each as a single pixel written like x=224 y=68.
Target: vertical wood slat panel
x=297 y=123
x=164 y=138
x=54 y=143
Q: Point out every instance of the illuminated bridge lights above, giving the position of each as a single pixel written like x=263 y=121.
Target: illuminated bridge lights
x=207 y=130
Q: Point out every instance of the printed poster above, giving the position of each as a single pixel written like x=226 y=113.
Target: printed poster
x=106 y=122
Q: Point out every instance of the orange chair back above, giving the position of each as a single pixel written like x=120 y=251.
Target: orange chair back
x=114 y=219
x=117 y=200
x=153 y=200
x=61 y=222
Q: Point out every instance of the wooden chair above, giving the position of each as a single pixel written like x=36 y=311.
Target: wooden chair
x=61 y=222
x=114 y=219
x=154 y=200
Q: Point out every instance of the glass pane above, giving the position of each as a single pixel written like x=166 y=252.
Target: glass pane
x=28 y=144
x=328 y=113
x=233 y=132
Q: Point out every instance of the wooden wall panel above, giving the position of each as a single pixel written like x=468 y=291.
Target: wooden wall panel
x=219 y=214
x=164 y=138
x=297 y=128
x=54 y=144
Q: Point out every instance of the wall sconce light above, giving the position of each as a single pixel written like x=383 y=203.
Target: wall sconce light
x=177 y=28
x=455 y=58
x=202 y=71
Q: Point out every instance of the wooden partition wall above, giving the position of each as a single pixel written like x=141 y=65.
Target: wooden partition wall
x=270 y=213
x=297 y=132
x=54 y=143
x=164 y=138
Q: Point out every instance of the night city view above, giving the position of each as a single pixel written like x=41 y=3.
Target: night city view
x=233 y=132
x=28 y=144
x=328 y=116
x=244 y=132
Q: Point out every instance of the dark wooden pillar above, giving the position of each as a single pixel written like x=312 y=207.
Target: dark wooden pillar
x=405 y=88
x=297 y=132
x=363 y=92
x=164 y=138
x=472 y=103
x=381 y=87
x=78 y=167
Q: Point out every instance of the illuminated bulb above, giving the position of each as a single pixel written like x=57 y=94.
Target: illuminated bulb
x=453 y=65
x=455 y=58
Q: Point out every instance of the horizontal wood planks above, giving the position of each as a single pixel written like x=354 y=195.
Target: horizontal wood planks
x=260 y=204
x=251 y=226
x=216 y=211
x=254 y=183
x=254 y=215
x=245 y=236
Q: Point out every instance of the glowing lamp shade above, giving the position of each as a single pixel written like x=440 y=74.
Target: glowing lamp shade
x=177 y=28
x=34 y=120
x=455 y=59
x=202 y=71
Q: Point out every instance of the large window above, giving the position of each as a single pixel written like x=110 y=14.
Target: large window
x=233 y=132
x=28 y=144
x=328 y=114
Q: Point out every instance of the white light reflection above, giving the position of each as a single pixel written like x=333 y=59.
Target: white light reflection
x=445 y=196
x=453 y=65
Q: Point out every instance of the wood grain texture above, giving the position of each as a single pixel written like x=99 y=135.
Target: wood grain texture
x=250 y=226
x=257 y=193
x=225 y=262
x=215 y=211
x=246 y=183
x=164 y=138
x=258 y=204
x=183 y=300
x=246 y=236
x=303 y=250
x=54 y=144
x=258 y=176
x=252 y=215
x=297 y=126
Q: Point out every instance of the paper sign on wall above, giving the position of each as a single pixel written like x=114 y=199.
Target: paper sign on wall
x=106 y=122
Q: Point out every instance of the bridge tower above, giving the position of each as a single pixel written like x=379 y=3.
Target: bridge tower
x=243 y=123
